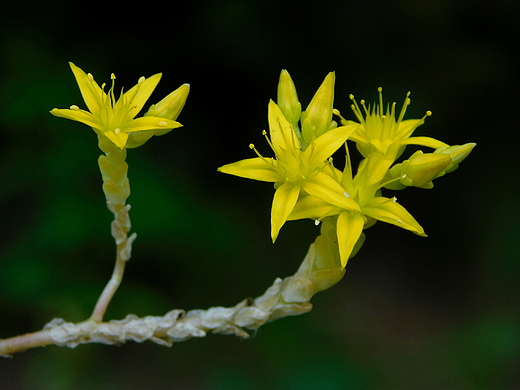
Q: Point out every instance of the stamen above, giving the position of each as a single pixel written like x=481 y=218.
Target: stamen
x=317 y=222
x=264 y=133
x=394 y=199
x=163 y=123
x=268 y=161
x=367 y=111
x=111 y=91
x=337 y=113
x=380 y=90
x=90 y=77
x=357 y=112
x=284 y=136
x=117 y=131
x=334 y=172
x=74 y=108
x=346 y=194
x=141 y=80
x=403 y=109
x=252 y=146
x=348 y=164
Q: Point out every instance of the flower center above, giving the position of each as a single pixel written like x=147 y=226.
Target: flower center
x=288 y=161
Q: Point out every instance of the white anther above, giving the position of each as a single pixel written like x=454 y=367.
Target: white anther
x=394 y=199
x=317 y=222
x=347 y=195
x=74 y=108
x=117 y=130
x=163 y=123
x=141 y=79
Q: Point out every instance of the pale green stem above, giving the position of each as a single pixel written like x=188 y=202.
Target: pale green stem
x=287 y=297
x=110 y=289
x=116 y=188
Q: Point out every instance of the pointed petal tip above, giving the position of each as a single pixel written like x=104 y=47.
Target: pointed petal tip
x=274 y=233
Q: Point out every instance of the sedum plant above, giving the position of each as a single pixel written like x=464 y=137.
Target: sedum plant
x=308 y=185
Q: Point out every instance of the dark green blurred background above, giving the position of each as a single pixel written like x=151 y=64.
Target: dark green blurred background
x=412 y=313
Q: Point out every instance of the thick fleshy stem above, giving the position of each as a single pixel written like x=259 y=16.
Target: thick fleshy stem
x=285 y=297
x=116 y=187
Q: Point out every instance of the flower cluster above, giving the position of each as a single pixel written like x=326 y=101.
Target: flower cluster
x=307 y=183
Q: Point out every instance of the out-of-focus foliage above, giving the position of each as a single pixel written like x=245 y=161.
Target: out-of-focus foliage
x=427 y=313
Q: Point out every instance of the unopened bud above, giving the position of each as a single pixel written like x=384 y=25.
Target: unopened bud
x=316 y=119
x=288 y=98
x=171 y=106
x=457 y=153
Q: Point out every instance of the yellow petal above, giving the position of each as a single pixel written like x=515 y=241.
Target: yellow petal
x=324 y=146
x=284 y=200
x=254 y=168
x=91 y=92
x=389 y=211
x=407 y=127
x=374 y=168
x=79 y=116
x=149 y=123
x=326 y=188
x=424 y=141
x=119 y=139
x=312 y=207
x=282 y=134
x=349 y=229
x=137 y=96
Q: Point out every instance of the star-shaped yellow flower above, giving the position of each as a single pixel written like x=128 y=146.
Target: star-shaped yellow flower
x=114 y=118
x=293 y=169
x=299 y=157
x=364 y=190
x=383 y=131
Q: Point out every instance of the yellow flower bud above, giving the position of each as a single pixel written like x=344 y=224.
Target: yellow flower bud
x=171 y=106
x=317 y=118
x=457 y=154
x=288 y=98
x=421 y=168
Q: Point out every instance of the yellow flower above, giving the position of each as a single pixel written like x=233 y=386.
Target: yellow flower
x=365 y=190
x=114 y=118
x=382 y=131
x=295 y=167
